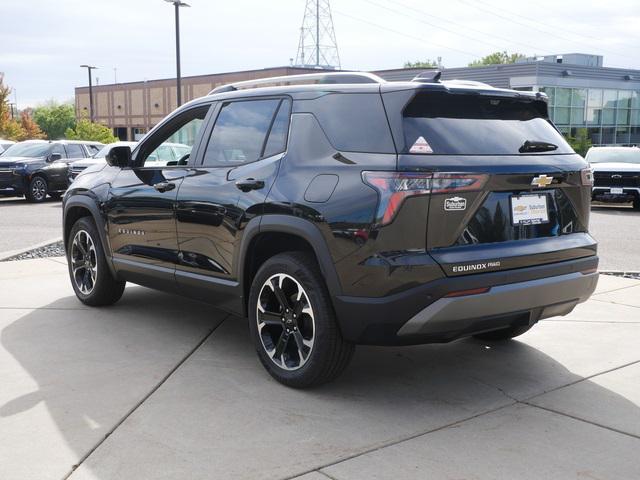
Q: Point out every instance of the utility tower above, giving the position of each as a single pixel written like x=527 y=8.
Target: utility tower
x=317 y=47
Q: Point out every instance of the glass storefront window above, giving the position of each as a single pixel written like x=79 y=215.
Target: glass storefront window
x=608 y=135
x=622 y=135
x=624 y=98
x=563 y=97
x=593 y=116
x=622 y=116
x=635 y=136
x=562 y=115
x=609 y=98
x=594 y=134
x=635 y=117
x=577 y=116
x=578 y=97
x=609 y=116
x=595 y=97
x=635 y=99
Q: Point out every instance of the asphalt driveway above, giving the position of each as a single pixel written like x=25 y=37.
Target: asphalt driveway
x=161 y=387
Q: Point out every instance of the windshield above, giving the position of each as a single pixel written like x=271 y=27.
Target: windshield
x=621 y=155
x=461 y=124
x=27 y=150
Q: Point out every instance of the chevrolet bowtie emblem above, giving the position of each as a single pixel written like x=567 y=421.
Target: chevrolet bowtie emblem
x=542 y=181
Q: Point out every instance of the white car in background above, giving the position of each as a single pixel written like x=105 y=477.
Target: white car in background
x=4 y=144
x=616 y=174
x=98 y=159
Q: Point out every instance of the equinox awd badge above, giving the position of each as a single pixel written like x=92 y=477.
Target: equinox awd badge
x=455 y=203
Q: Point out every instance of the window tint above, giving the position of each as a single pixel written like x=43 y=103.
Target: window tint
x=240 y=131
x=277 y=141
x=58 y=148
x=180 y=134
x=457 y=124
x=353 y=122
x=74 y=150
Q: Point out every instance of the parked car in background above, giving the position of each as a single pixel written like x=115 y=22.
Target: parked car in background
x=352 y=211
x=616 y=172
x=4 y=144
x=37 y=168
x=79 y=166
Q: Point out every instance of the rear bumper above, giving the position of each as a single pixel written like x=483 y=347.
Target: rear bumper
x=542 y=298
x=425 y=315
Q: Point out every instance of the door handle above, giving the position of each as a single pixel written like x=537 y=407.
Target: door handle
x=249 y=184
x=164 y=186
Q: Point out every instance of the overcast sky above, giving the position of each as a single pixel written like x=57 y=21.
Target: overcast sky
x=43 y=42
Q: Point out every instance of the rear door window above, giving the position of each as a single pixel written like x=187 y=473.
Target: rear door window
x=240 y=132
x=74 y=150
x=461 y=124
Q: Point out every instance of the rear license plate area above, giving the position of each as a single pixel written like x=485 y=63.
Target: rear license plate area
x=529 y=209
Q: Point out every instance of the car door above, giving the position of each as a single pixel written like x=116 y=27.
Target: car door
x=141 y=204
x=57 y=170
x=219 y=196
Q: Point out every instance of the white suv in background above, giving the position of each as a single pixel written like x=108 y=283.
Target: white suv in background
x=616 y=172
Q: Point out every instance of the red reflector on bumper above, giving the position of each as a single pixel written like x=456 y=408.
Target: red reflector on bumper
x=471 y=291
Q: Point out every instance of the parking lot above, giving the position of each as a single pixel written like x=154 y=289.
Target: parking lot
x=158 y=386
x=616 y=227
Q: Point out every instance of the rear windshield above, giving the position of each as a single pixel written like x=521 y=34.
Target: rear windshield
x=461 y=124
x=622 y=155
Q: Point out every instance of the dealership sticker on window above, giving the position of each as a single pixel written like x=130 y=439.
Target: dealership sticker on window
x=421 y=146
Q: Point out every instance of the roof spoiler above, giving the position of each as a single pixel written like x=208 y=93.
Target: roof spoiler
x=304 y=79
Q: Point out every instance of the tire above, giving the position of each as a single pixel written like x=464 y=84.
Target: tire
x=307 y=348
x=38 y=189
x=504 y=333
x=636 y=203
x=89 y=272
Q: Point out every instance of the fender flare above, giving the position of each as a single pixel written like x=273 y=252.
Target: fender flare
x=295 y=226
x=89 y=203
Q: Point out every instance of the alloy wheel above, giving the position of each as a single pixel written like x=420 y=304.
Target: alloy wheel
x=84 y=262
x=286 y=323
x=38 y=189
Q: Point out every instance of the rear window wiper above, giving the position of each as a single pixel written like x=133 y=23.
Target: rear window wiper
x=536 y=146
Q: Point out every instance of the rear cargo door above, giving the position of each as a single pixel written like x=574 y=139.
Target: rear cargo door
x=507 y=190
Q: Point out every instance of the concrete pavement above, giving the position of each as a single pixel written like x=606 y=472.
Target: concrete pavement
x=29 y=224
x=161 y=387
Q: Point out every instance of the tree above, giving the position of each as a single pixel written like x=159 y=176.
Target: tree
x=54 y=119
x=10 y=129
x=86 y=130
x=581 y=143
x=497 y=58
x=421 y=64
x=30 y=129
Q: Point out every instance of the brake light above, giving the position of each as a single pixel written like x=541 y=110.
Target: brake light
x=457 y=182
x=587 y=176
x=393 y=188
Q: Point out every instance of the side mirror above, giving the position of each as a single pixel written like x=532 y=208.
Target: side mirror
x=55 y=157
x=119 y=157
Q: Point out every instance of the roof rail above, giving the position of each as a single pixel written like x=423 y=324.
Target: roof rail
x=469 y=83
x=303 y=79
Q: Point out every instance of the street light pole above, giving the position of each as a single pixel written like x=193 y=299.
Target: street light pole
x=89 y=68
x=177 y=4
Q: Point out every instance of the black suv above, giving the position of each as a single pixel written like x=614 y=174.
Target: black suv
x=340 y=209
x=37 y=168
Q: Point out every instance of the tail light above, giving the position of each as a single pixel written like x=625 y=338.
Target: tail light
x=457 y=182
x=587 y=176
x=394 y=187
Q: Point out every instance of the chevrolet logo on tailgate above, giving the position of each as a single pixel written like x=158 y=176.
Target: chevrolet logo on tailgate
x=542 y=181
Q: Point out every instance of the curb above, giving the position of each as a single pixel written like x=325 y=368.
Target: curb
x=13 y=253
